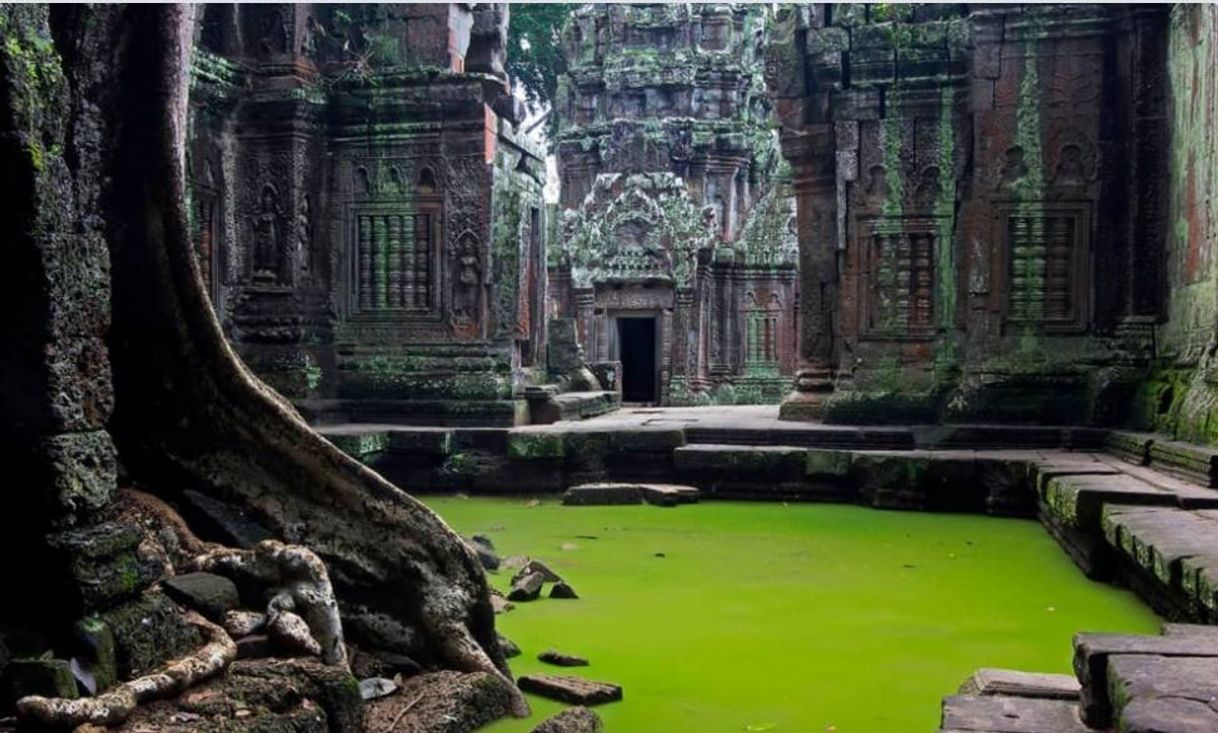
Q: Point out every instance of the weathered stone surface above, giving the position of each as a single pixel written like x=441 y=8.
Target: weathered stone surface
x=602 y=494
x=998 y=714
x=1091 y=664
x=486 y=555
x=148 y=632
x=1154 y=693
x=508 y=646
x=573 y=690
x=1012 y=683
x=261 y=696
x=572 y=720
x=539 y=567
x=669 y=494
x=103 y=564
x=527 y=588
x=561 y=659
x=208 y=593
x=375 y=688
x=563 y=590
x=442 y=702
x=648 y=94
x=95 y=662
x=46 y=677
x=1168 y=715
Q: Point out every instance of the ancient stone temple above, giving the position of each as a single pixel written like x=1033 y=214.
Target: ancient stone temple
x=677 y=253
x=367 y=218
x=981 y=207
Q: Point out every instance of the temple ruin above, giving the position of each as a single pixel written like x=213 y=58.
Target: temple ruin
x=288 y=282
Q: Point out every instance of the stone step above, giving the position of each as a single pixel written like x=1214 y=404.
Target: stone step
x=1012 y=683
x=1192 y=462
x=1078 y=500
x=1093 y=651
x=1160 y=539
x=1000 y=714
x=1160 y=694
x=607 y=493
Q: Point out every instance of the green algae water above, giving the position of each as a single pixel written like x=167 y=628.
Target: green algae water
x=801 y=618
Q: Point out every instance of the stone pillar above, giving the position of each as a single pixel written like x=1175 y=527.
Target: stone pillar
x=801 y=104
x=812 y=157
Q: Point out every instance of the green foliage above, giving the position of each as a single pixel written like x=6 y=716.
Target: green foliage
x=537 y=67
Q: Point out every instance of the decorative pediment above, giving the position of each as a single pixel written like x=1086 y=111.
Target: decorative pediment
x=642 y=227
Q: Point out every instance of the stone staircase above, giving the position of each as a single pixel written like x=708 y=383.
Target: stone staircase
x=1133 y=684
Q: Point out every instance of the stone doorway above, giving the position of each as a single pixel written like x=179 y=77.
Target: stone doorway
x=636 y=341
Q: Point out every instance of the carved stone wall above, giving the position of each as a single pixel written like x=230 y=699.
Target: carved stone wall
x=965 y=206
x=664 y=153
x=347 y=165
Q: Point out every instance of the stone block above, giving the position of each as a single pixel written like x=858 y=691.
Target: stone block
x=1012 y=683
x=1191 y=462
x=148 y=632
x=78 y=473
x=531 y=445
x=46 y=677
x=102 y=564
x=1093 y=651
x=571 y=690
x=561 y=659
x=831 y=464
x=999 y=714
x=1132 y=447
x=576 y=719
x=824 y=40
x=1152 y=693
x=602 y=494
x=209 y=594
x=93 y=646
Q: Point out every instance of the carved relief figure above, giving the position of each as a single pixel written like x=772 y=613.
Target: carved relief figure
x=304 y=237
x=268 y=237
x=469 y=279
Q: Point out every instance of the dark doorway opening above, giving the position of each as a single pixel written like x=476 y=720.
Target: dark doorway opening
x=636 y=338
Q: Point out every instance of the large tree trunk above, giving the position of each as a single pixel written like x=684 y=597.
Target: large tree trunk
x=190 y=416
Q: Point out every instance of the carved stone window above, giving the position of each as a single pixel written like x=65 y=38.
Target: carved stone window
x=396 y=260
x=897 y=280
x=1044 y=271
x=761 y=331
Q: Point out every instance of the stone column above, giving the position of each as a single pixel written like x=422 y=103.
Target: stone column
x=811 y=154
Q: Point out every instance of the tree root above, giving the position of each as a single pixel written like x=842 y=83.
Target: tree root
x=115 y=706
x=303 y=614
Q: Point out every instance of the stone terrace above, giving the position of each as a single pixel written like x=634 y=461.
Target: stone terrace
x=1130 y=508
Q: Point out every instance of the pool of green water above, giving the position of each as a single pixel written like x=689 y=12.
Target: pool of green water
x=800 y=617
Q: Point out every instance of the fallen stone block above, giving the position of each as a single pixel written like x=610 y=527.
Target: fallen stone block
x=528 y=588
x=578 y=719
x=602 y=494
x=573 y=690
x=563 y=590
x=559 y=659
x=668 y=494
x=210 y=594
x=989 y=681
x=537 y=566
